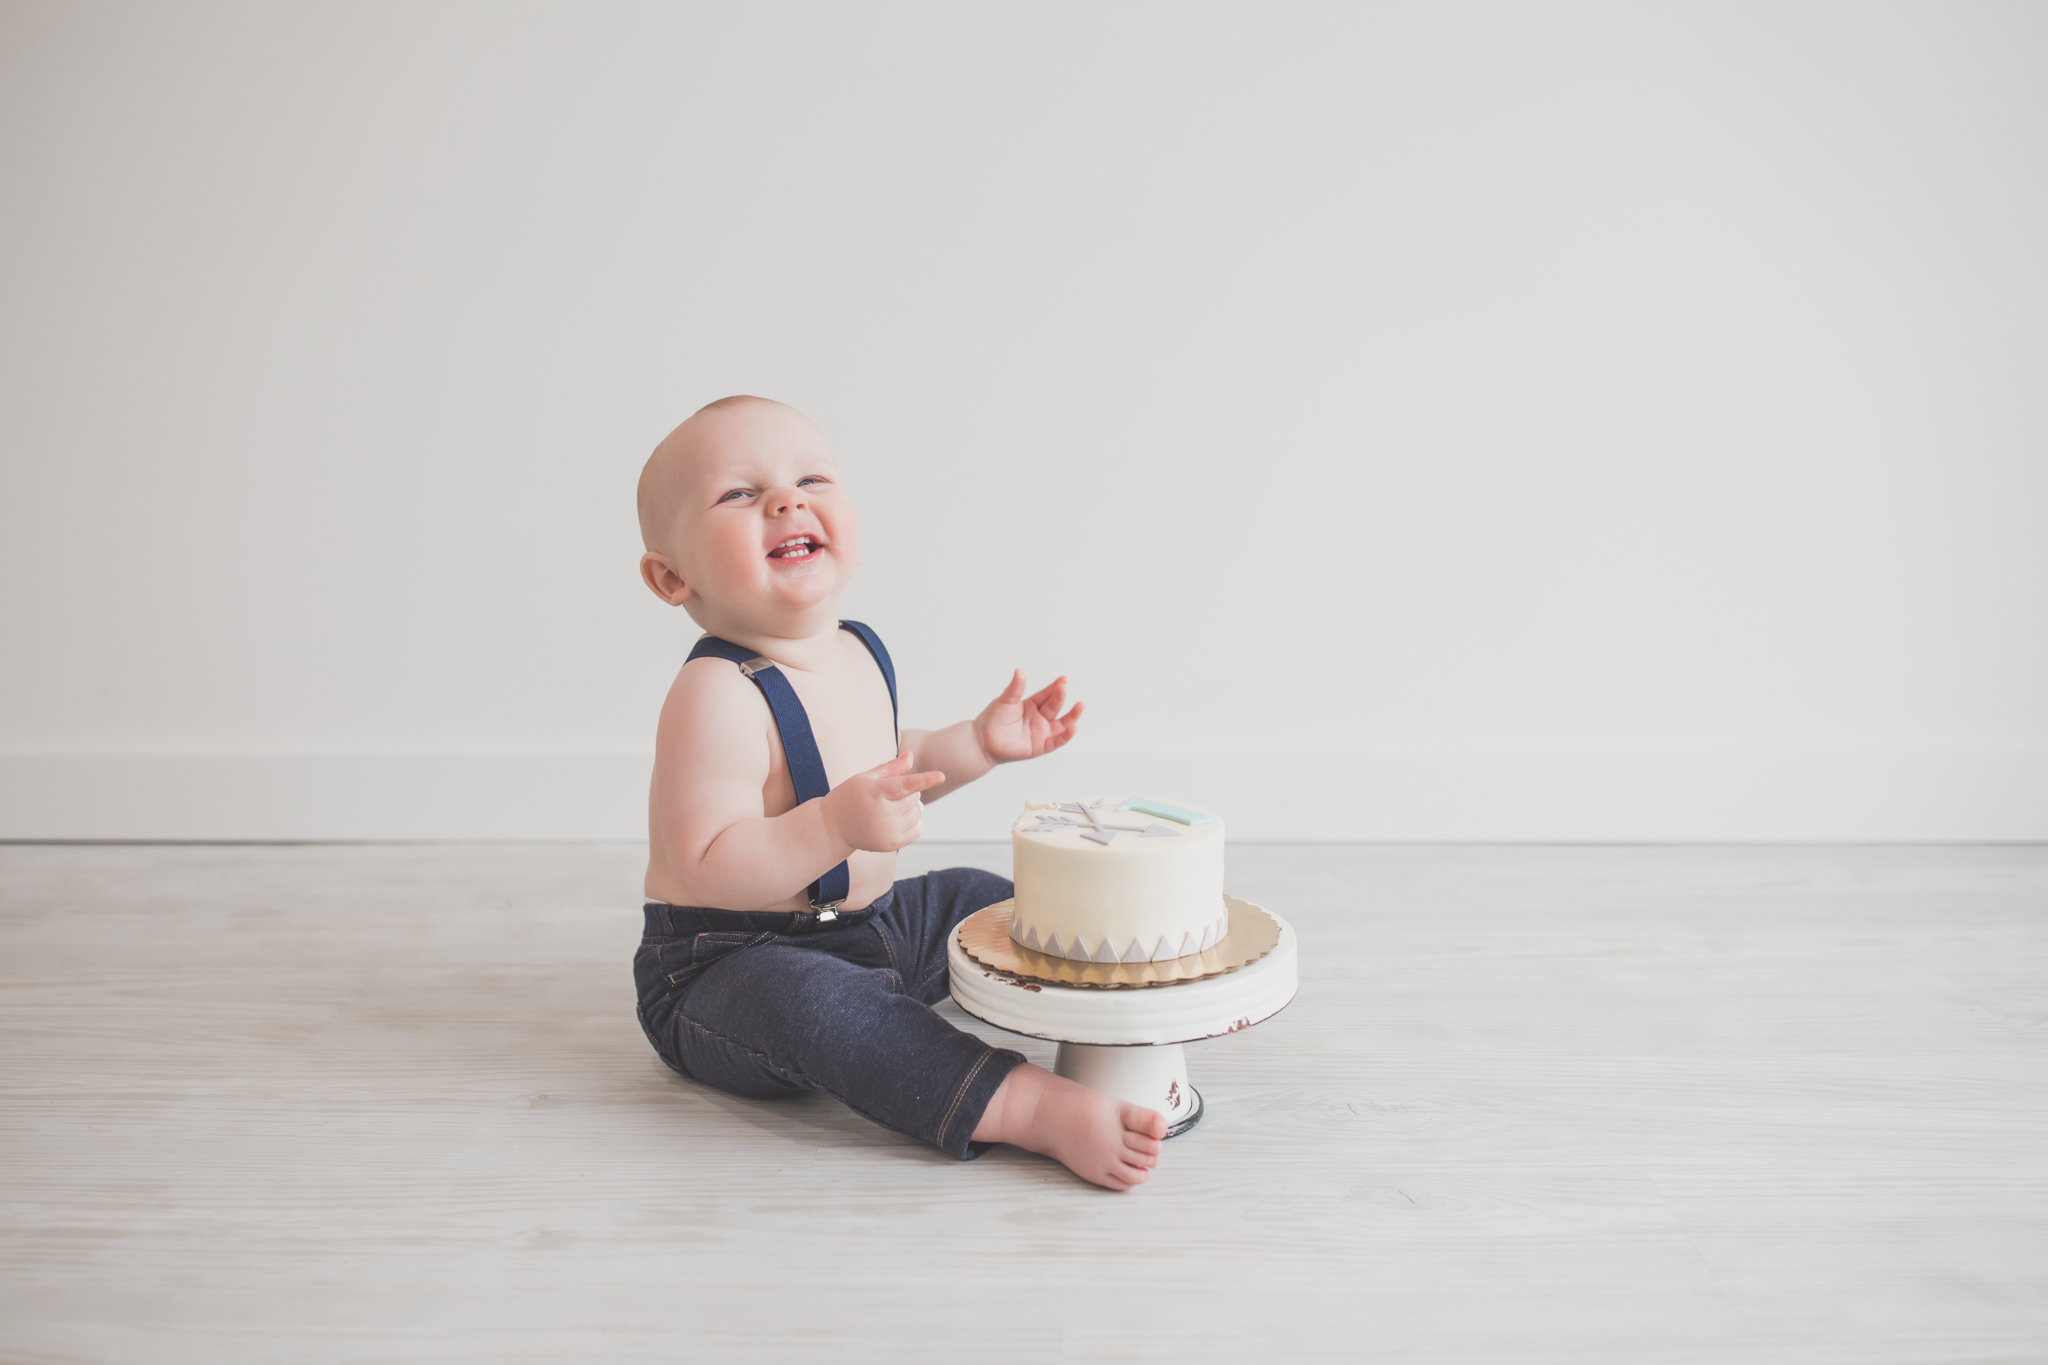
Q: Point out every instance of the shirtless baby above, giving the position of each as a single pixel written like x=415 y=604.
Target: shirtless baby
x=781 y=955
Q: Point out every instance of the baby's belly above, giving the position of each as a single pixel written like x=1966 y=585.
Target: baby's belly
x=868 y=875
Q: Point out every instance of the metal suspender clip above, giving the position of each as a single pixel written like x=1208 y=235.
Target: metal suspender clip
x=755 y=665
x=827 y=912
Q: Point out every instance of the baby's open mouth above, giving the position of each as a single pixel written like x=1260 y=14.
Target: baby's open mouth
x=797 y=547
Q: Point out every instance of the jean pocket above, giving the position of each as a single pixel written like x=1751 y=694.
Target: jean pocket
x=660 y=965
x=699 y=951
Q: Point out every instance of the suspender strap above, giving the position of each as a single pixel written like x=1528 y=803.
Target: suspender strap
x=799 y=745
x=874 y=643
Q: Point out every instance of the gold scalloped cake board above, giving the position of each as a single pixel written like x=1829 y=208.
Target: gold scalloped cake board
x=985 y=936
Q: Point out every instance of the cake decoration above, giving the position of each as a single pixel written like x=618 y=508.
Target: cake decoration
x=1146 y=806
x=1092 y=826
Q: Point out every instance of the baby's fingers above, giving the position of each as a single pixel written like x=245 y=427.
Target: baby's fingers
x=896 y=788
x=1063 y=728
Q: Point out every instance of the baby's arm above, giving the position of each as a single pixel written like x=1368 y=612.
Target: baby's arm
x=1010 y=728
x=711 y=765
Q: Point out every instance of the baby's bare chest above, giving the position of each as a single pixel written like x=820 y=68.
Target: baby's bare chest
x=851 y=718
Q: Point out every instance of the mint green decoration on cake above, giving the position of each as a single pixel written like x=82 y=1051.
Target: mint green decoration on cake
x=1146 y=806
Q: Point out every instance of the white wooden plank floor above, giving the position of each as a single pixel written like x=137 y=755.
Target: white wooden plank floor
x=1544 y=1104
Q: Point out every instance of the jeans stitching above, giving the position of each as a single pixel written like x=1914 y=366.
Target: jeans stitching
x=960 y=1092
x=677 y=978
x=894 y=965
x=781 y=1072
x=798 y=1079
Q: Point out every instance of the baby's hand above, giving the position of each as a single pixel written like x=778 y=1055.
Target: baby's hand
x=1015 y=726
x=879 y=810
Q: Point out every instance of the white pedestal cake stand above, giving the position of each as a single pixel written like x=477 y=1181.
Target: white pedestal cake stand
x=1127 y=1041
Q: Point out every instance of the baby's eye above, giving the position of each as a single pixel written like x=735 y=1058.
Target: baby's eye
x=809 y=479
x=735 y=493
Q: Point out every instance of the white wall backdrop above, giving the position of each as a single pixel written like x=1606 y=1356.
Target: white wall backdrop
x=1573 y=421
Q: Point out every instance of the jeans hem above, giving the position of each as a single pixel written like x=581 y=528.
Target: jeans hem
x=970 y=1102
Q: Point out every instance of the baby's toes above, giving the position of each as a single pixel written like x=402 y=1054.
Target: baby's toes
x=1138 y=1142
x=1150 y=1122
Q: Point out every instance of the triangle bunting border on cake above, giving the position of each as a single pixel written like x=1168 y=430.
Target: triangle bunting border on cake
x=1194 y=957
x=1165 y=949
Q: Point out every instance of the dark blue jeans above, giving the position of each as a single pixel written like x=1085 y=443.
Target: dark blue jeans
x=769 y=1004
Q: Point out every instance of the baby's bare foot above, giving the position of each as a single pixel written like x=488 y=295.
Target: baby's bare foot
x=1103 y=1140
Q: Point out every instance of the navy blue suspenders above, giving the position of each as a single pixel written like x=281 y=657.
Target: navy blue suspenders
x=799 y=746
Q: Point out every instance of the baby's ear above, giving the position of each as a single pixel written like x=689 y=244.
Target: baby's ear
x=664 y=581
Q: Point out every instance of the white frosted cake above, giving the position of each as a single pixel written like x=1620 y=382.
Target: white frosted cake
x=1118 y=879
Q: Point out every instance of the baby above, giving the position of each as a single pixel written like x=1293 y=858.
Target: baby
x=781 y=954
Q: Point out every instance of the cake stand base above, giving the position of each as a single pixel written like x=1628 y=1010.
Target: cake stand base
x=1126 y=1042
x=1155 y=1077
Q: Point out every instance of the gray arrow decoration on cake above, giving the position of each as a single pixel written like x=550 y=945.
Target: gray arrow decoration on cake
x=1091 y=826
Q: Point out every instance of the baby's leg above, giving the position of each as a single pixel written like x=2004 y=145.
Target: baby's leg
x=917 y=924
x=776 y=1018
x=1099 y=1138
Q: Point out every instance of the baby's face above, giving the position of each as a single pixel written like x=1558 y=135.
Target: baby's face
x=756 y=524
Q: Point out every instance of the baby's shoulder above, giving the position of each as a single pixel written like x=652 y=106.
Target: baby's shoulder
x=710 y=696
